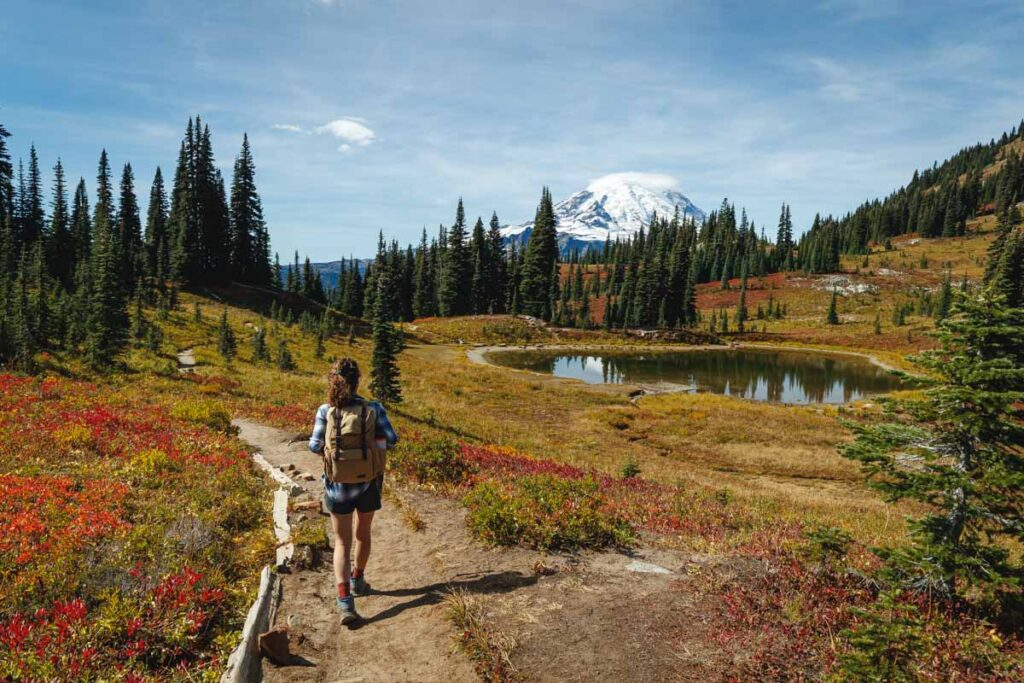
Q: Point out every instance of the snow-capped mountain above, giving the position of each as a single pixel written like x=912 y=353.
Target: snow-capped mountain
x=612 y=207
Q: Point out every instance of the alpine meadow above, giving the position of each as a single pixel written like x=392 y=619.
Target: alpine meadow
x=713 y=417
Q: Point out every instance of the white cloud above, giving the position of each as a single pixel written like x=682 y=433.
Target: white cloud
x=652 y=181
x=350 y=131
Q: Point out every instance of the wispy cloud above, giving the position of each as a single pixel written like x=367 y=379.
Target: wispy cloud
x=351 y=130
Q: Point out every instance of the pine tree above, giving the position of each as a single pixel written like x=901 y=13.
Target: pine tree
x=6 y=180
x=33 y=217
x=958 y=454
x=455 y=285
x=250 y=243
x=129 y=232
x=260 y=354
x=833 y=313
x=1008 y=276
x=225 y=338
x=285 y=361
x=540 y=257
x=384 y=374
x=479 y=253
x=156 y=240
x=423 y=283
x=107 y=319
x=878 y=322
x=498 y=281
x=945 y=302
x=61 y=249
x=81 y=226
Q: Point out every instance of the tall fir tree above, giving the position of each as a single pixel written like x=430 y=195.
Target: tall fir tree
x=385 y=381
x=454 y=288
x=250 y=241
x=129 y=232
x=540 y=258
x=60 y=246
x=497 y=283
x=107 y=318
x=156 y=239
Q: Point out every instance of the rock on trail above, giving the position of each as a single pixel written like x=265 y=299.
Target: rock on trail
x=187 y=360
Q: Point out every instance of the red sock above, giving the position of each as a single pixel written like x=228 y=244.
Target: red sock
x=343 y=589
x=356 y=573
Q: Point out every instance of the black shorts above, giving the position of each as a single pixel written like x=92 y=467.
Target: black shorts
x=342 y=499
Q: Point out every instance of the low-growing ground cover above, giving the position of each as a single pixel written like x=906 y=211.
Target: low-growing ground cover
x=794 y=598
x=132 y=537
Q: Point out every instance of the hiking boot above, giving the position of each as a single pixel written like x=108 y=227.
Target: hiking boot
x=347 y=606
x=360 y=586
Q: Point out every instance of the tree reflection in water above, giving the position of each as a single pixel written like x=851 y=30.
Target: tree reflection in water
x=758 y=374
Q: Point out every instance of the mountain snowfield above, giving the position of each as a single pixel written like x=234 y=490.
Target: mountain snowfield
x=612 y=207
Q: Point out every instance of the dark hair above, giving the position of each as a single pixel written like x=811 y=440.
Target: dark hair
x=342 y=382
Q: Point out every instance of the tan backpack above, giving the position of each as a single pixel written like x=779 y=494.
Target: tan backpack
x=350 y=453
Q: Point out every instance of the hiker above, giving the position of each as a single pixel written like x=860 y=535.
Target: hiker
x=352 y=434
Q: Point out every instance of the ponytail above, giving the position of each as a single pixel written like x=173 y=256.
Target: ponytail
x=342 y=382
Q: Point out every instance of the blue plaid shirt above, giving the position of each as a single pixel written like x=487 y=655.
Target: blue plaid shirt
x=384 y=429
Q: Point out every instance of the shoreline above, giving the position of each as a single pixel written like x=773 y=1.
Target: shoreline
x=478 y=355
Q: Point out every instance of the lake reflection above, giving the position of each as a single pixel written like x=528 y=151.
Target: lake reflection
x=757 y=374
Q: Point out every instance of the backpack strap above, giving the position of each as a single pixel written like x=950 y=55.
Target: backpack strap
x=362 y=429
x=337 y=432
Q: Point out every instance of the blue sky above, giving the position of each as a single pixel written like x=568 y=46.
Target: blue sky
x=379 y=114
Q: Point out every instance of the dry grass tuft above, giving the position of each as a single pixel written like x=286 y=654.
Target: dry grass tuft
x=489 y=650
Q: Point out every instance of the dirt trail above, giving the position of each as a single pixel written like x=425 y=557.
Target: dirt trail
x=403 y=635
x=617 y=616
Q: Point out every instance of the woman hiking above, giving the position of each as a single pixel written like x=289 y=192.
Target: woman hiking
x=352 y=434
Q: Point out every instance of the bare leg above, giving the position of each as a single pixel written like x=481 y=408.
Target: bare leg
x=342 y=527
x=363 y=522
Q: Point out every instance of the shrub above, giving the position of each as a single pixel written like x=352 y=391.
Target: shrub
x=436 y=461
x=631 y=468
x=205 y=412
x=152 y=462
x=545 y=512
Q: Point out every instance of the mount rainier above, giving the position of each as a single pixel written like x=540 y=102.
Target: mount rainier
x=612 y=207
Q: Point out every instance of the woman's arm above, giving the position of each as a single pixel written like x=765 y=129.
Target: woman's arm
x=384 y=429
x=316 y=439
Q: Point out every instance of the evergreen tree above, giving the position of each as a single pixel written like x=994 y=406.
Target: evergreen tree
x=285 y=361
x=6 y=179
x=33 y=217
x=384 y=374
x=129 y=232
x=945 y=302
x=423 y=282
x=454 y=289
x=61 y=248
x=497 y=285
x=250 y=242
x=1008 y=278
x=107 y=321
x=260 y=354
x=958 y=454
x=479 y=253
x=833 y=313
x=157 y=247
x=225 y=338
x=540 y=258
x=81 y=226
